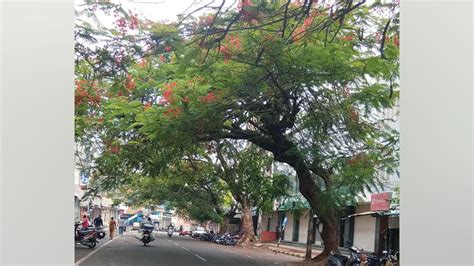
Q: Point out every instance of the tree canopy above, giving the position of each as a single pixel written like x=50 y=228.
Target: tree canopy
x=308 y=82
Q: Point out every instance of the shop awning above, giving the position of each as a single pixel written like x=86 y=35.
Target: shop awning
x=293 y=202
x=375 y=213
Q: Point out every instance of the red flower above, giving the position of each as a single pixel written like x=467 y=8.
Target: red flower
x=307 y=22
x=133 y=22
x=147 y=106
x=210 y=97
x=162 y=59
x=168 y=48
x=348 y=38
x=130 y=84
x=176 y=111
x=396 y=41
x=121 y=23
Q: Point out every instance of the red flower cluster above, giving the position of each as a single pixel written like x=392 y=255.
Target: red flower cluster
x=348 y=38
x=244 y=10
x=162 y=59
x=210 y=97
x=142 y=62
x=114 y=149
x=82 y=95
x=231 y=45
x=300 y=31
x=121 y=23
x=396 y=41
x=168 y=48
x=130 y=84
x=147 y=106
x=168 y=93
x=133 y=22
x=173 y=112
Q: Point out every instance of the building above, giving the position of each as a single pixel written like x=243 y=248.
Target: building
x=372 y=224
x=93 y=207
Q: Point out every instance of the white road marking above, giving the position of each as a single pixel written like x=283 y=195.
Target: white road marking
x=93 y=252
x=200 y=257
x=176 y=244
x=185 y=249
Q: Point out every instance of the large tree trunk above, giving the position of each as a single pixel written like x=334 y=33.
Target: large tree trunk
x=248 y=236
x=330 y=236
x=225 y=225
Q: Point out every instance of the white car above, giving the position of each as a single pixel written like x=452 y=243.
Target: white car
x=135 y=226
x=198 y=231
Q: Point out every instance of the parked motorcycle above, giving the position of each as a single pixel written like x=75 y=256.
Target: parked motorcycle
x=86 y=237
x=388 y=258
x=100 y=232
x=355 y=258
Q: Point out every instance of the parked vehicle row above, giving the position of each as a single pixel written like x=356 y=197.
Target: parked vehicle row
x=358 y=257
x=222 y=239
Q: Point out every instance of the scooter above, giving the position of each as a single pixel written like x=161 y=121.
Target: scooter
x=100 y=232
x=147 y=234
x=354 y=259
x=86 y=237
x=170 y=232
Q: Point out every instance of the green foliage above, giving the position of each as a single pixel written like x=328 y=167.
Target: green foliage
x=309 y=88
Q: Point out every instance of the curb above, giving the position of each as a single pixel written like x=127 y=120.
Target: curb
x=298 y=255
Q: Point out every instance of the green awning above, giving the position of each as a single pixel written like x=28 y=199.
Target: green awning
x=293 y=202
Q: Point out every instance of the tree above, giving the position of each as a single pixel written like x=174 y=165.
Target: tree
x=306 y=82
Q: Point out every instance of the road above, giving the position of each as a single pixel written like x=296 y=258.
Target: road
x=127 y=250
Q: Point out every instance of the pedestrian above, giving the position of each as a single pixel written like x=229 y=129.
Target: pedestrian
x=112 y=227
x=121 y=226
x=98 y=222
x=85 y=222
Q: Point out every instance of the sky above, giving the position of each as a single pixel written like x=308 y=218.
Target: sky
x=159 y=10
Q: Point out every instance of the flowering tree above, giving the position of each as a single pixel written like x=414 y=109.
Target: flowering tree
x=306 y=81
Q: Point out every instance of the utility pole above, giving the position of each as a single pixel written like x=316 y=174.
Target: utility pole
x=310 y=236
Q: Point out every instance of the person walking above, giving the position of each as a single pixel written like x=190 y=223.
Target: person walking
x=98 y=223
x=112 y=227
x=121 y=226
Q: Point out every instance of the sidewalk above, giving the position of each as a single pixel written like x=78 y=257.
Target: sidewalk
x=297 y=249
x=290 y=250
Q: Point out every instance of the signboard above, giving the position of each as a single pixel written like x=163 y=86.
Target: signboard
x=380 y=202
x=84 y=179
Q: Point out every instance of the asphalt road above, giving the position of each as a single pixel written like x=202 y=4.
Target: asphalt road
x=127 y=250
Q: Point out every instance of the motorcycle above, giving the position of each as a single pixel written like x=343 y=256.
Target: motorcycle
x=87 y=237
x=100 y=232
x=207 y=237
x=387 y=258
x=170 y=232
x=355 y=258
x=147 y=234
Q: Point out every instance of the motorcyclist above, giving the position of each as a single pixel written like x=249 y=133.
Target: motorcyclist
x=150 y=224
